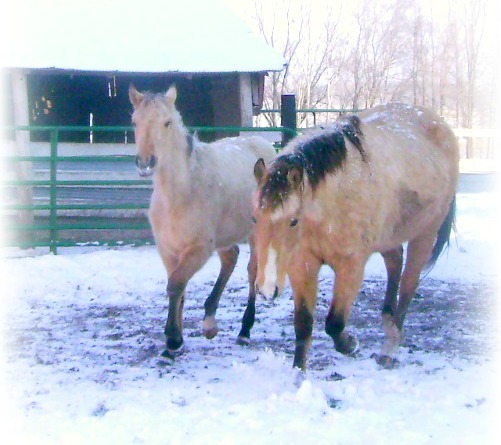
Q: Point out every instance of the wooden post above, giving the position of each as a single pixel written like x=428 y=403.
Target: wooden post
x=245 y=92
x=288 y=117
x=23 y=169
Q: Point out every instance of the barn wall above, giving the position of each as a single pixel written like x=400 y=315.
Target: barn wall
x=226 y=102
x=64 y=98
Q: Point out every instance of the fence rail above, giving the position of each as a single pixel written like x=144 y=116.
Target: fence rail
x=57 y=202
x=63 y=212
x=315 y=113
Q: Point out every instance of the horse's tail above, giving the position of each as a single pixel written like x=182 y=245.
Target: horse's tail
x=443 y=235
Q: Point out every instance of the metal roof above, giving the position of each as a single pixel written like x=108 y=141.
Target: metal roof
x=135 y=36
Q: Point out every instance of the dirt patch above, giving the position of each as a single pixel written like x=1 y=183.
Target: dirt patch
x=447 y=318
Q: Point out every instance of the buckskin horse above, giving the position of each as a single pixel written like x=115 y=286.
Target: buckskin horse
x=201 y=203
x=367 y=183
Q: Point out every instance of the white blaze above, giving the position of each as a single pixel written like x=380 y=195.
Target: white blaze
x=270 y=274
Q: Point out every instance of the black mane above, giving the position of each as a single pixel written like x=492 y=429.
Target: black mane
x=314 y=157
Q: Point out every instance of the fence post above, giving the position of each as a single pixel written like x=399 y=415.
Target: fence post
x=23 y=169
x=54 y=141
x=288 y=116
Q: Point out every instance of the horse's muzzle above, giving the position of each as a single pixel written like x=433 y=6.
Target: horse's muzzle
x=268 y=293
x=145 y=168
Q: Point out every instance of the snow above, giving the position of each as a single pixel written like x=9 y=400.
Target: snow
x=189 y=36
x=83 y=336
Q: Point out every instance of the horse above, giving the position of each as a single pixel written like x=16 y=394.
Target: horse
x=201 y=203
x=367 y=183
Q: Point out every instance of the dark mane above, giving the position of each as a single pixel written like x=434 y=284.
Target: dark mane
x=314 y=157
x=276 y=189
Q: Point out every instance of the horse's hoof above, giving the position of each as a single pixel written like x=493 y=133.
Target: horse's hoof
x=385 y=361
x=167 y=358
x=174 y=347
x=347 y=345
x=243 y=341
x=209 y=328
x=299 y=377
x=210 y=333
x=171 y=354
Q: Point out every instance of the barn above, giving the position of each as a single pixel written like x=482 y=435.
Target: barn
x=70 y=63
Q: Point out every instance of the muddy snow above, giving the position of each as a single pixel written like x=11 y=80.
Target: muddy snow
x=83 y=336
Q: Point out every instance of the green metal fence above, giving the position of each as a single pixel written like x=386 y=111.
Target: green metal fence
x=315 y=112
x=54 y=222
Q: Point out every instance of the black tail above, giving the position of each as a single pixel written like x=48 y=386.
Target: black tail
x=443 y=235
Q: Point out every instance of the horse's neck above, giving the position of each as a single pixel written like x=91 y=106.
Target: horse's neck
x=172 y=175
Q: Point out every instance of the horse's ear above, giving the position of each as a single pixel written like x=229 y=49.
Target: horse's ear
x=260 y=170
x=135 y=96
x=171 y=94
x=295 y=178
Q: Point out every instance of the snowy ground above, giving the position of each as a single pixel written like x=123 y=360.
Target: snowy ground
x=83 y=336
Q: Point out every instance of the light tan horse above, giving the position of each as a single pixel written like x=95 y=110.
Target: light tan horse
x=201 y=202
x=365 y=184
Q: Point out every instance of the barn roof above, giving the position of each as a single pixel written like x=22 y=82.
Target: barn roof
x=135 y=36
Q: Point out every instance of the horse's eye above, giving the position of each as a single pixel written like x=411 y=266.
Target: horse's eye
x=294 y=222
x=167 y=124
x=253 y=219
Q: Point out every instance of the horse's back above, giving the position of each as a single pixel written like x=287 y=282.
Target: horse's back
x=231 y=161
x=414 y=162
x=401 y=187
x=223 y=182
x=413 y=127
x=413 y=142
x=255 y=146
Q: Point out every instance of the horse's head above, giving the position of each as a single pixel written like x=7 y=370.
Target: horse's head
x=277 y=211
x=152 y=120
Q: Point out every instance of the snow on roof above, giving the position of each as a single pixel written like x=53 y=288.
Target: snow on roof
x=132 y=36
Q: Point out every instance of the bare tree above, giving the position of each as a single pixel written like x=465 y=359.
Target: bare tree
x=282 y=26
x=369 y=52
x=309 y=47
x=473 y=19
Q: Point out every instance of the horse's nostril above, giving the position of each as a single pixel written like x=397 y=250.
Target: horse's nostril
x=152 y=161
x=145 y=167
x=266 y=294
x=138 y=162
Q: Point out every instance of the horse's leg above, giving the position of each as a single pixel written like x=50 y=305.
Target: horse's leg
x=418 y=253
x=228 y=261
x=349 y=275
x=250 y=311
x=393 y=260
x=304 y=282
x=184 y=268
